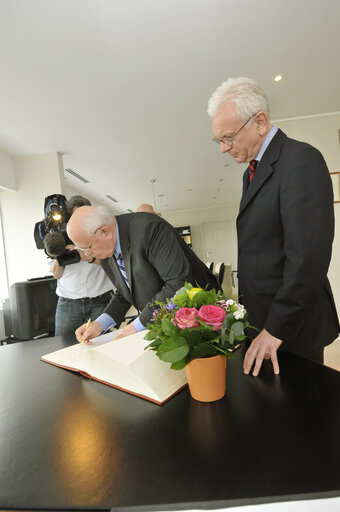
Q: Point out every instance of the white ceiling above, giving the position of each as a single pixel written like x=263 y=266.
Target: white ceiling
x=120 y=87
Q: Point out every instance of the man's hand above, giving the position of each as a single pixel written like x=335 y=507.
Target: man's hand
x=125 y=331
x=83 y=256
x=264 y=346
x=84 y=337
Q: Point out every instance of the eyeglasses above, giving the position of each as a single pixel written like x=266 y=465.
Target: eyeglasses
x=228 y=140
x=89 y=247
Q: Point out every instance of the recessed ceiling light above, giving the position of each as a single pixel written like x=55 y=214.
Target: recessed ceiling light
x=278 y=78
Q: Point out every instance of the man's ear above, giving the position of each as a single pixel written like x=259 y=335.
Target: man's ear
x=108 y=232
x=262 y=122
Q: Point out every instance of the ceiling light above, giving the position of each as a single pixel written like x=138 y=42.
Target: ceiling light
x=111 y=198
x=76 y=175
x=278 y=78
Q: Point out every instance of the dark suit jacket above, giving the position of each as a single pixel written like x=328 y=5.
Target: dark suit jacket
x=157 y=262
x=285 y=232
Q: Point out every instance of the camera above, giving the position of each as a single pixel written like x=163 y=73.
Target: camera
x=50 y=233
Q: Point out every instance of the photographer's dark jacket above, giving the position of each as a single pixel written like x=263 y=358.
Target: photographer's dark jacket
x=157 y=262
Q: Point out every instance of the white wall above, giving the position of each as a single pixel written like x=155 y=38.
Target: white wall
x=196 y=218
x=36 y=177
x=7 y=175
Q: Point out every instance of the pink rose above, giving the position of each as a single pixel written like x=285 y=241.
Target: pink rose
x=186 y=317
x=212 y=315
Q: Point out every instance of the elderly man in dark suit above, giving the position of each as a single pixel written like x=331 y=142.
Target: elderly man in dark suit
x=285 y=228
x=143 y=256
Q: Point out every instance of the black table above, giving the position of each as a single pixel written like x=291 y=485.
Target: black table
x=67 y=442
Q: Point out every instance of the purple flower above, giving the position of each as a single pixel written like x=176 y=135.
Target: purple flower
x=170 y=306
x=155 y=313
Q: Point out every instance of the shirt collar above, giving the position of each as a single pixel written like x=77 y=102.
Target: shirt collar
x=266 y=143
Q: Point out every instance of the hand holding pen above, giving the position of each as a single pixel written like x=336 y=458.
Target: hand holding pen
x=87 y=331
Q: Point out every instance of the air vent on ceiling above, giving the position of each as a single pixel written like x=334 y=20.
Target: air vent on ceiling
x=111 y=198
x=76 y=175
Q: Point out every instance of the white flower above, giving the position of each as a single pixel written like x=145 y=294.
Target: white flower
x=230 y=302
x=239 y=314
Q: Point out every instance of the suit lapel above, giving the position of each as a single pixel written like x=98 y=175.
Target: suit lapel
x=263 y=171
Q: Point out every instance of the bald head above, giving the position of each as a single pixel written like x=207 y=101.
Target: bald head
x=76 y=227
x=146 y=208
x=93 y=229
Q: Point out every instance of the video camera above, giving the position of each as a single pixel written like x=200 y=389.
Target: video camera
x=50 y=233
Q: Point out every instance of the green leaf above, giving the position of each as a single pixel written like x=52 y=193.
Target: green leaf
x=169 y=328
x=208 y=333
x=156 y=343
x=150 y=335
x=229 y=319
x=182 y=300
x=237 y=328
x=199 y=299
x=192 y=336
x=179 y=365
x=241 y=338
x=173 y=350
x=203 y=350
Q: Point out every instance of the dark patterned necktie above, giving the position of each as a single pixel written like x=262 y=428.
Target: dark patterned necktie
x=252 y=167
x=121 y=266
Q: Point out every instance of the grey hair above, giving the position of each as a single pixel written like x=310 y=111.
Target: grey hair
x=246 y=94
x=76 y=201
x=97 y=218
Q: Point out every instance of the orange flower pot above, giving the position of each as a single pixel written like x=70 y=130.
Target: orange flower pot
x=207 y=378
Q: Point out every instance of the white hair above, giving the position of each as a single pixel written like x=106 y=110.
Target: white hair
x=96 y=218
x=244 y=93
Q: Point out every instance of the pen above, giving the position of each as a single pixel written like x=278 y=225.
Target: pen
x=87 y=326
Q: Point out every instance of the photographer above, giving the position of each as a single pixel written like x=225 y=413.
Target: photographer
x=82 y=287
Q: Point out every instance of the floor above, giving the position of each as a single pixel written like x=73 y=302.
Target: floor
x=332 y=355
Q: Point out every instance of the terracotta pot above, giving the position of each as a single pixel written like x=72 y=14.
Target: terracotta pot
x=207 y=378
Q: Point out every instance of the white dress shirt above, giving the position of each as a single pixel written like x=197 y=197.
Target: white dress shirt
x=81 y=280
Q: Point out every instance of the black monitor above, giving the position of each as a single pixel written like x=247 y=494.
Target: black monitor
x=32 y=307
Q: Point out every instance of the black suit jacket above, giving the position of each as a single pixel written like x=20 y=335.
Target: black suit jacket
x=285 y=232
x=157 y=262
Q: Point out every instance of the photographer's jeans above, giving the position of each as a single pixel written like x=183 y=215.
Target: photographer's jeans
x=72 y=313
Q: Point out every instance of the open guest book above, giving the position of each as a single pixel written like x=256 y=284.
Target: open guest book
x=123 y=364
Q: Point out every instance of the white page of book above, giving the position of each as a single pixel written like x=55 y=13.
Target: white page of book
x=126 y=362
x=72 y=356
x=124 y=350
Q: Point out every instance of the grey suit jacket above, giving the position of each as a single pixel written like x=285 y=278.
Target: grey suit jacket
x=157 y=262
x=285 y=232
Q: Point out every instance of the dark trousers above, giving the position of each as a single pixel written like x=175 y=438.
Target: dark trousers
x=72 y=313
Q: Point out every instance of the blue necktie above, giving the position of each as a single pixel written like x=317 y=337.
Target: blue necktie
x=121 y=266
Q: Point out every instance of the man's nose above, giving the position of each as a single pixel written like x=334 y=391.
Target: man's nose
x=224 y=148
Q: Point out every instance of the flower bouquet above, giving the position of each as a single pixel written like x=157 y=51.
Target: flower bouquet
x=196 y=324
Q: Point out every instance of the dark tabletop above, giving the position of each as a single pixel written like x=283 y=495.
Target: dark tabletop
x=67 y=442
